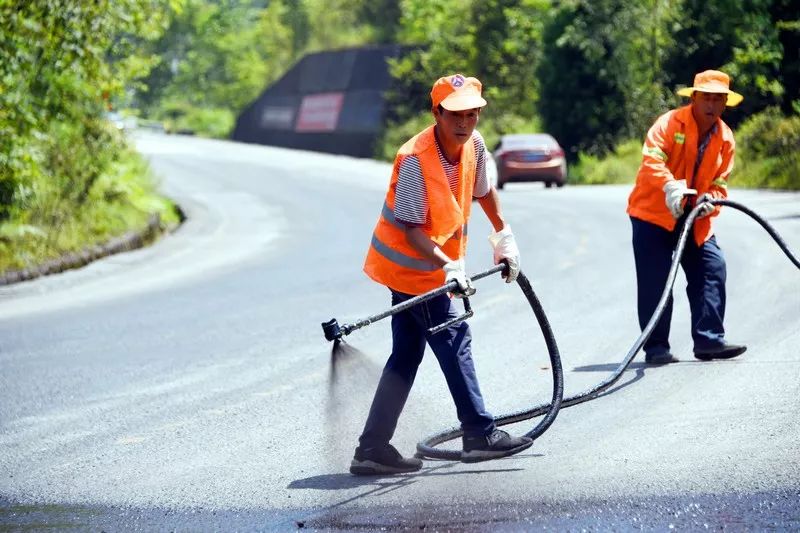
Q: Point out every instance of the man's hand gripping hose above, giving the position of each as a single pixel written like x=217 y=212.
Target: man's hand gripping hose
x=675 y=193
x=454 y=271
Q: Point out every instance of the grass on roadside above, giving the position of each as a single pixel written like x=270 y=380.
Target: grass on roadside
x=620 y=166
x=122 y=199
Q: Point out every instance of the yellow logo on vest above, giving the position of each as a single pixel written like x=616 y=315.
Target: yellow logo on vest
x=680 y=138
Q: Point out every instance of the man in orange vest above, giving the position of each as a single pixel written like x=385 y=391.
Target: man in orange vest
x=688 y=152
x=419 y=244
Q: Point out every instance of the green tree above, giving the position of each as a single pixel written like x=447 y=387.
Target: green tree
x=739 y=37
x=297 y=21
x=64 y=62
x=508 y=36
x=337 y=24
x=56 y=77
x=598 y=81
x=786 y=16
x=216 y=58
x=383 y=16
x=441 y=44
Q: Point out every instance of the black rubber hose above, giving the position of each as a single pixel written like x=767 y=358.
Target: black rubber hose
x=426 y=448
x=764 y=224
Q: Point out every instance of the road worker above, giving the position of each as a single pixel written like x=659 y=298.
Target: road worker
x=687 y=157
x=418 y=245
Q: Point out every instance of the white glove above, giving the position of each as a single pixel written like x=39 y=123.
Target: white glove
x=454 y=270
x=675 y=191
x=705 y=207
x=505 y=248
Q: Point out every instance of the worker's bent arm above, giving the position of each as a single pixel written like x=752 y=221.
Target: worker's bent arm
x=491 y=206
x=658 y=145
x=426 y=247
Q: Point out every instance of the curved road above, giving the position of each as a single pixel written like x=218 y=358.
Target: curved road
x=188 y=385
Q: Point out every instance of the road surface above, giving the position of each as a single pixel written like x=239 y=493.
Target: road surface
x=188 y=385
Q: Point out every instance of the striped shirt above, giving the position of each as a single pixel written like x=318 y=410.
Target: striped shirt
x=702 y=144
x=411 y=197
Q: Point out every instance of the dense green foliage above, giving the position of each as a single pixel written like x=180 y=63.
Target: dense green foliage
x=601 y=79
x=66 y=177
x=768 y=151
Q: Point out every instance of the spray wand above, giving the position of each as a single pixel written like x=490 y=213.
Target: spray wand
x=334 y=332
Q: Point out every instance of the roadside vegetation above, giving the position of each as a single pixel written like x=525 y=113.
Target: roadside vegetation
x=68 y=177
x=593 y=73
x=767 y=155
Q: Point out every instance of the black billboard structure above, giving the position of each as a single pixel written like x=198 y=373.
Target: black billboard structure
x=328 y=102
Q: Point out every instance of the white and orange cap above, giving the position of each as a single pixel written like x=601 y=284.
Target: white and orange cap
x=457 y=93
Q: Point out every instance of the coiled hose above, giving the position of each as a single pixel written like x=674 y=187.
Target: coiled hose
x=427 y=447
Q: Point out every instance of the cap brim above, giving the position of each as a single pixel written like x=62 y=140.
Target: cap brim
x=462 y=101
x=733 y=100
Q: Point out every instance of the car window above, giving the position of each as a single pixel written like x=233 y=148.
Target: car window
x=516 y=142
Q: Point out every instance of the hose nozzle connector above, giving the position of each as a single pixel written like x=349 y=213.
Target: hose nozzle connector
x=332 y=330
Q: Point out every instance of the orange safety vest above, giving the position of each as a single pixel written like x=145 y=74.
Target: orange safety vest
x=391 y=260
x=669 y=152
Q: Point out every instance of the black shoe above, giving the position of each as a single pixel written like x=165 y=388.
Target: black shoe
x=660 y=358
x=725 y=351
x=497 y=444
x=382 y=460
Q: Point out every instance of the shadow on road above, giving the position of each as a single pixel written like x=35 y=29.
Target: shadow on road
x=610 y=367
x=784 y=217
x=342 y=481
x=639 y=368
x=384 y=484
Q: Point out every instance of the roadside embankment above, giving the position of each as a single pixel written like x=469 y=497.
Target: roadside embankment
x=131 y=240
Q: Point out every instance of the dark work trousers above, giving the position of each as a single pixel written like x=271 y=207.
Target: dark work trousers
x=704 y=266
x=452 y=348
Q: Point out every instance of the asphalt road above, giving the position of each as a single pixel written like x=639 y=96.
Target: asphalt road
x=187 y=386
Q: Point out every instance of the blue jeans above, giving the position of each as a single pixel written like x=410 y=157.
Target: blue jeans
x=705 y=270
x=452 y=348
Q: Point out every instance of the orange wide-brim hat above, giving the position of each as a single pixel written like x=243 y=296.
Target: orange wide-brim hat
x=713 y=81
x=457 y=93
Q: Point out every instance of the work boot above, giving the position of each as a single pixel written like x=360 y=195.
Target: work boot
x=493 y=446
x=382 y=460
x=663 y=358
x=724 y=351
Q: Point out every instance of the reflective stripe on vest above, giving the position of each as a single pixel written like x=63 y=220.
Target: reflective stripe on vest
x=402 y=259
